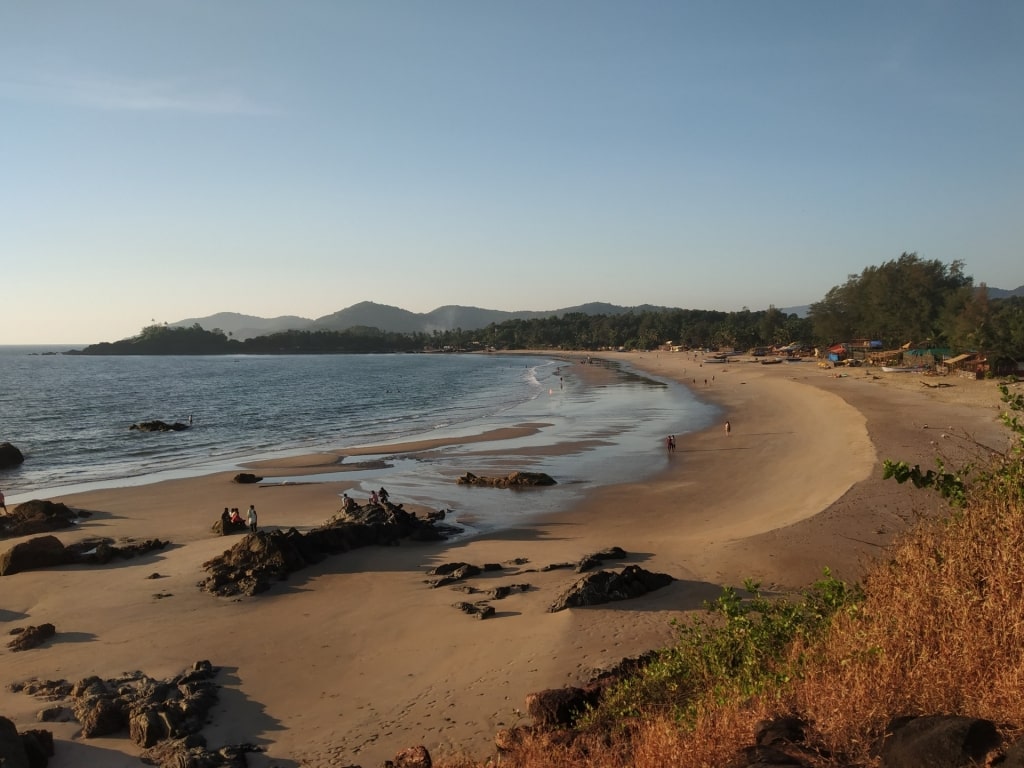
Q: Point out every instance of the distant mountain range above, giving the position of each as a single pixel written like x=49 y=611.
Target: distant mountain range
x=369 y=314
x=393 y=319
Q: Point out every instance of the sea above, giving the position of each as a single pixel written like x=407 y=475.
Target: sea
x=70 y=417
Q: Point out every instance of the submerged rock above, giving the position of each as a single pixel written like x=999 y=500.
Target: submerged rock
x=513 y=480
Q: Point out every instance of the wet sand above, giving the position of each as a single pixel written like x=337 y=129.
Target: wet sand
x=356 y=658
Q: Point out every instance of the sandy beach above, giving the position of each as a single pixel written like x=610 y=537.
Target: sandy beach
x=356 y=658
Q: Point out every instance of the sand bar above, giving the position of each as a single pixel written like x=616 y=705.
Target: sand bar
x=356 y=658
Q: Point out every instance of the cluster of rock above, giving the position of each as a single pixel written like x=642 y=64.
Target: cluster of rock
x=38 y=516
x=513 y=480
x=593 y=589
x=261 y=559
x=158 y=426
x=450 y=574
x=10 y=456
x=48 y=551
x=164 y=717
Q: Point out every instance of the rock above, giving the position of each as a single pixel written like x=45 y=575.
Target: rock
x=40 y=552
x=558 y=707
x=607 y=586
x=36 y=516
x=938 y=741
x=596 y=558
x=101 y=716
x=158 y=426
x=246 y=478
x=513 y=480
x=10 y=456
x=30 y=637
x=226 y=528
x=54 y=714
x=464 y=571
x=38 y=747
x=12 y=749
x=481 y=610
x=413 y=757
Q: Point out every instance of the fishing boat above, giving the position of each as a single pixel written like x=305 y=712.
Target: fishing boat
x=903 y=368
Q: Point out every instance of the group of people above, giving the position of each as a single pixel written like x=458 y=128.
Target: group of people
x=377 y=498
x=233 y=517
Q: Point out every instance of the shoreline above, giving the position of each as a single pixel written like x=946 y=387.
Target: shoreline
x=356 y=658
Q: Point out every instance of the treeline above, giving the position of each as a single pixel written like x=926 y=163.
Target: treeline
x=905 y=300
x=921 y=301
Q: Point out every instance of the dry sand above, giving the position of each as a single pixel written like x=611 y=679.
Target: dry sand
x=356 y=658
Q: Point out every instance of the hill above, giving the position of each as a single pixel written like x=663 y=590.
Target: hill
x=391 y=319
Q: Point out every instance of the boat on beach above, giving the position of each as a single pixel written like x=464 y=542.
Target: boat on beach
x=903 y=368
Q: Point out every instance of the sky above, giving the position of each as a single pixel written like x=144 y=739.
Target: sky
x=163 y=160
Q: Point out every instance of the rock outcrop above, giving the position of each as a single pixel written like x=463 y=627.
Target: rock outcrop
x=261 y=559
x=38 y=516
x=608 y=586
x=513 y=480
x=10 y=456
x=48 y=551
x=246 y=478
x=31 y=637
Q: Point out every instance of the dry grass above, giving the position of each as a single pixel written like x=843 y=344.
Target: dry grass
x=941 y=631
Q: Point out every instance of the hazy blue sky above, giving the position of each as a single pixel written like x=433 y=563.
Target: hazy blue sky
x=165 y=160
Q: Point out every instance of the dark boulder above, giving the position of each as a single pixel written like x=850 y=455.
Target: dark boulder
x=246 y=478
x=513 y=480
x=31 y=637
x=10 y=456
x=158 y=426
x=12 y=749
x=38 y=747
x=938 y=741
x=607 y=586
x=37 y=516
x=40 y=552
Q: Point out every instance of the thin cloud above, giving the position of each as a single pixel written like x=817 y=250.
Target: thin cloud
x=132 y=95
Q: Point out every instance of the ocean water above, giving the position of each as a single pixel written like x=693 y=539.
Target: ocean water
x=70 y=416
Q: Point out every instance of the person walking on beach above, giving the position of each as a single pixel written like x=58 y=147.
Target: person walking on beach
x=670 y=443
x=3 y=502
x=728 y=428
x=250 y=518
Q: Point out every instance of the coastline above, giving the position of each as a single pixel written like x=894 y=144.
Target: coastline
x=356 y=658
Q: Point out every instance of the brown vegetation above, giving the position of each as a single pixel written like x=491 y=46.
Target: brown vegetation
x=939 y=631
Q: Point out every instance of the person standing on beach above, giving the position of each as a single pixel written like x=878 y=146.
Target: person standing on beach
x=250 y=518
x=728 y=428
x=3 y=502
